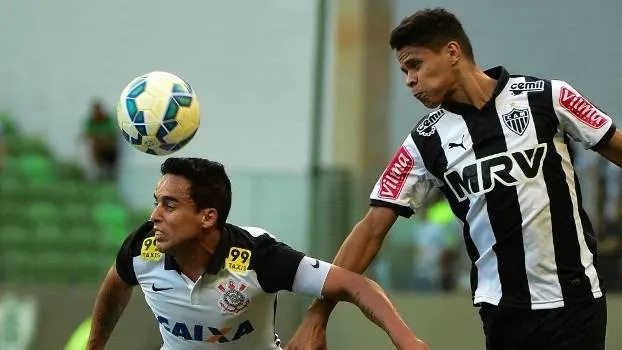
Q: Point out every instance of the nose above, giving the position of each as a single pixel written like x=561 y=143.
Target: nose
x=156 y=214
x=411 y=79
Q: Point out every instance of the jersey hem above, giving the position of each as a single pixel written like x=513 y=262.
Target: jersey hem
x=603 y=141
x=540 y=305
x=400 y=209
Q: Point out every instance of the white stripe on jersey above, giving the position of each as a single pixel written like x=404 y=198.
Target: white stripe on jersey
x=537 y=226
x=452 y=129
x=586 y=256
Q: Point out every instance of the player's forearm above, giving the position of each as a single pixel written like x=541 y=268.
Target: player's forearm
x=355 y=254
x=111 y=300
x=376 y=306
x=359 y=248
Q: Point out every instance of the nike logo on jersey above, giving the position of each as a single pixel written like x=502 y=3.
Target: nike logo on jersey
x=156 y=289
x=316 y=265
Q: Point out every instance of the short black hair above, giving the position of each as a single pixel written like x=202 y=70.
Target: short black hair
x=209 y=184
x=430 y=28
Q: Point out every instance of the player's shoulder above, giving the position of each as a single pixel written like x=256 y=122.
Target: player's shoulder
x=529 y=84
x=426 y=126
x=250 y=237
x=134 y=241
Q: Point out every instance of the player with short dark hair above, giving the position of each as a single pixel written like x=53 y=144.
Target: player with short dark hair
x=211 y=284
x=512 y=186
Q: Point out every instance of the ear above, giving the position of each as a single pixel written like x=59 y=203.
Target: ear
x=209 y=216
x=454 y=52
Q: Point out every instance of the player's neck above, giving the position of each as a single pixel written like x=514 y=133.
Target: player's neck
x=474 y=87
x=195 y=257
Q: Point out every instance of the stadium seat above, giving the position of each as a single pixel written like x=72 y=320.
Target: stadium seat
x=112 y=219
x=42 y=213
x=35 y=168
x=75 y=214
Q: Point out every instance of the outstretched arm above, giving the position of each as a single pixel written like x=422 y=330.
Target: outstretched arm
x=368 y=296
x=111 y=300
x=612 y=150
x=356 y=253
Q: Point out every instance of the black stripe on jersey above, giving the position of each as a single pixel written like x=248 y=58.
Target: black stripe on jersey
x=275 y=263
x=129 y=249
x=503 y=210
x=438 y=160
x=570 y=271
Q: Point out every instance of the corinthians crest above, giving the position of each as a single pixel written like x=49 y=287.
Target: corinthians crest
x=517 y=120
x=233 y=299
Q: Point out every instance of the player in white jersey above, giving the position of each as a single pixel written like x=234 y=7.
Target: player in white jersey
x=213 y=285
x=497 y=146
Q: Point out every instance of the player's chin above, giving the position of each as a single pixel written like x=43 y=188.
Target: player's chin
x=163 y=245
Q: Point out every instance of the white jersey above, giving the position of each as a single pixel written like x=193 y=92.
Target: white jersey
x=233 y=305
x=507 y=173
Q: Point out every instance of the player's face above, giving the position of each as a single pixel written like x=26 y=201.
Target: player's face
x=176 y=220
x=430 y=75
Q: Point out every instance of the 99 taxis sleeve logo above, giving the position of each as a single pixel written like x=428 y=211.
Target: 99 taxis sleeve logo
x=238 y=259
x=148 y=250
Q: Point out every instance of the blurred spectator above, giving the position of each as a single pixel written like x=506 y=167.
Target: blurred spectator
x=101 y=132
x=436 y=248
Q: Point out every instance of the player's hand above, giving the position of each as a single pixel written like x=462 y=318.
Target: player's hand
x=310 y=335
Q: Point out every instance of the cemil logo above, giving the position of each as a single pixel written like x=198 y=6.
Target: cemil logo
x=427 y=127
x=395 y=175
x=148 y=250
x=528 y=86
x=581 y=108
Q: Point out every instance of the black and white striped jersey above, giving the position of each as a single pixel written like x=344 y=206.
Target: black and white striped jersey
x=233 y=305
x=508 y=175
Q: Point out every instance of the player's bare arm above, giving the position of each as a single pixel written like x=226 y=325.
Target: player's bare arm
x=612 y=150
x=368 y=296
x=355 y=254
x=360 y=247
x=110 y=302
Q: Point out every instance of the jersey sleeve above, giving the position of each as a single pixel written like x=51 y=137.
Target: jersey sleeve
x=579 y=118
x=405 y=182
x=129 y=249
x=276 y=265
x=310 y=277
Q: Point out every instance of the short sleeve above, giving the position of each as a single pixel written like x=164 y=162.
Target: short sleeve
x=579 y=118
x=276 y=264
x=127 y=252
x=405 y=182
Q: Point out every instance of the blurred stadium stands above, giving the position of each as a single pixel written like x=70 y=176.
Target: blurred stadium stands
x=55 y=225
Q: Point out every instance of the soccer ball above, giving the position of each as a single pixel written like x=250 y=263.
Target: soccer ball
x=158 y=113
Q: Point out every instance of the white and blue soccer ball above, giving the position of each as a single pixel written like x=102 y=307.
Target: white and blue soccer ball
x=158 y=113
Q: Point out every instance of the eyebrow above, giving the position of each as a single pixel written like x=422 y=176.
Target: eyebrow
x=411 y=62
x=166 y=198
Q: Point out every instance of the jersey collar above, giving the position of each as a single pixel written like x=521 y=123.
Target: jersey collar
x=217 y=260
x=500 y=74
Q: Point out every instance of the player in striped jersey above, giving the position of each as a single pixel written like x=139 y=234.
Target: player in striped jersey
x=497 y=146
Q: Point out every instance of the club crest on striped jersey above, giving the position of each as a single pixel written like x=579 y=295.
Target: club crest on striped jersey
x=233 y=298
x=427 y=126
x=396 y=173
x=517 y=120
